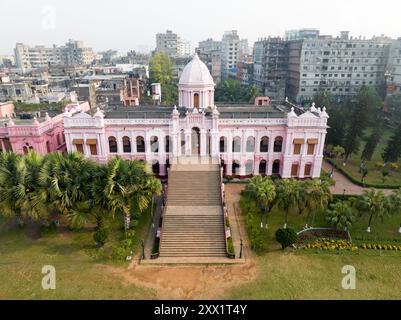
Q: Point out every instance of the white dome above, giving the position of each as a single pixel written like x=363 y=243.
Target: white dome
x=196 y=73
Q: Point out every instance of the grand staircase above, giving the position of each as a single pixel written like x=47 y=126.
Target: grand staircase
x=193 y=224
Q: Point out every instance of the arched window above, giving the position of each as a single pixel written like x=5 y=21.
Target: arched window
x=262 y=167
x=250 y=144
x=276 y=167
x=237 y=144
x=154 y=144
x=294 y=169
x=126 y=144
x=140 y=144
x=264 y=144
x=278 y=144
x=25 y=148
x=308 y=170
x=223 y=144
x=249 y=167
x=167 y=144
x=235 y=168
x=112 y=145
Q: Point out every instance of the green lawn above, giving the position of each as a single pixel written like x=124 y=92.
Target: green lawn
x=374 y=176
x=81 y=269
x=292 y=275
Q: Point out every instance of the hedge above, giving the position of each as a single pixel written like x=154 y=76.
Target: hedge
x=358 y=182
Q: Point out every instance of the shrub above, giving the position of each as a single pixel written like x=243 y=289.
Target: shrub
x=393 y=166
x=286 y=237
x=379 y=165
x=100 y=236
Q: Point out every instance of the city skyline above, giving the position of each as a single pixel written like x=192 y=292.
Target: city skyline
x=51 y=23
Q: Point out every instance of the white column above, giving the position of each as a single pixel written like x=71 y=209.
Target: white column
x=202 y=142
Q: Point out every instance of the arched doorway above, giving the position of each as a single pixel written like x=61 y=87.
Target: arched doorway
x=235 y=168
x=276 y=167
x=196 y=100
x=156 y=167
x=195 y=141
x=262 y=167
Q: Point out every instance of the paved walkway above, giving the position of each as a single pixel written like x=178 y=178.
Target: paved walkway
x=153 y=227
x=233 y=194
x=342 y=183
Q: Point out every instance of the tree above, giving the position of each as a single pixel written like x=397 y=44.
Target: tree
x=318 y=196
x=13 y=186
x=375 y=204
x=286 y=237
x=338 y=152
x=264 y=191
x=161 y=71
x=340 y=215
x=367 y=102
x=288 y=196
x=393 y=148
x=372 y=142
x=394 y=108
x=395 y=203
x=229 y=90
x=65 y=181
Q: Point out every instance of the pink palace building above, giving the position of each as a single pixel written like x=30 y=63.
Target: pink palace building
x=268 y=137
x=42 y=132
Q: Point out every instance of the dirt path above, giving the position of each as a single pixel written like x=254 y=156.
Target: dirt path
x=193 y=282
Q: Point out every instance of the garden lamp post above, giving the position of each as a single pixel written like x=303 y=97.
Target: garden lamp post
x=240 y=252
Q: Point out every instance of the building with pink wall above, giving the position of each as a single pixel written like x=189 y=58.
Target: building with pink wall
x=247 y=139
x=43 y=133
x=6 y=109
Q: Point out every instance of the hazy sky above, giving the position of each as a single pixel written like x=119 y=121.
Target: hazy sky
x=132 y=24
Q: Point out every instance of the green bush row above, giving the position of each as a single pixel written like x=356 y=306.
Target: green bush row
x=357 y=181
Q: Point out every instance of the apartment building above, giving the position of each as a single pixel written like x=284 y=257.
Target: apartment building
x=209 y=51
x=337 y=65
x=270 y=68
x=393 y=71
x=173 y=45
x=32 y=57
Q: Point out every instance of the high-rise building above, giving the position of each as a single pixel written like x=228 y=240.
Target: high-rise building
x=393 y=70
x=270 y=69
x=229 y=52
x=209 y=52
x=302 y=34
x=184 y=48
x=340 y=66
x=73 y=53
x=167 y=42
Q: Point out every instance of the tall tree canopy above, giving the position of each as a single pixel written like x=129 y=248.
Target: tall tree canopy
x=229 y=90
x=161 y=71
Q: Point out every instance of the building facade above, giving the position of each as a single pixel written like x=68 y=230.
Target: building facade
x=265 y=138
x=41 y=132
x=73 y=53
x=393 y=72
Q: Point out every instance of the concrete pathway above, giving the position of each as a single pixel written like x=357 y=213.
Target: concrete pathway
x=153 y=227
x=342 y=183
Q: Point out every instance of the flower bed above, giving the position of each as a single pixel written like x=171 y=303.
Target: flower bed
x=332 y=245
x=389 y=247
x=307 y=235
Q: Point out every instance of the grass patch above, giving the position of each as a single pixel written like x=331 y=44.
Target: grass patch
x=82 y=269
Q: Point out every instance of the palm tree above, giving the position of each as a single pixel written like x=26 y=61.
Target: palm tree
x=13 y=189
x=340 y=215
x=65 y=181
x=288 y=196
x=264 y=191
x=318 y=196
x=395 y=203
x=374 y=203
